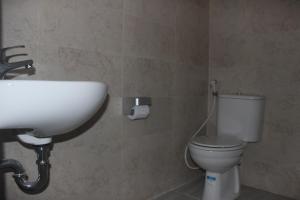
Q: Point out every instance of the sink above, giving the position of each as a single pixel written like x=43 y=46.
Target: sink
x=48 y=108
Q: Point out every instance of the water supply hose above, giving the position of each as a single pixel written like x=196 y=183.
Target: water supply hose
x=210 y=114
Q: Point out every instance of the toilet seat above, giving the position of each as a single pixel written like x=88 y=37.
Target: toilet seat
x=218 y=143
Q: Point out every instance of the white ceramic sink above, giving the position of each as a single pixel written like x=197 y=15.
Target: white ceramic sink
x=48 y=107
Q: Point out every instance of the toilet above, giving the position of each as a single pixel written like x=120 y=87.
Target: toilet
x=239 y=121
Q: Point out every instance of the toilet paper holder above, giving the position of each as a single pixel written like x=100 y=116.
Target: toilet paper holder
x=129 y=102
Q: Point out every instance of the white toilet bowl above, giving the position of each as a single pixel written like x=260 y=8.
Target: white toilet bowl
x=239 y=120
x=219 y=156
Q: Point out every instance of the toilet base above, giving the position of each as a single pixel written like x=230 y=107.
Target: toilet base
x=222 y=186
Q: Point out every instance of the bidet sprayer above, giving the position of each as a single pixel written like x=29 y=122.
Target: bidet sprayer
x=213 y=87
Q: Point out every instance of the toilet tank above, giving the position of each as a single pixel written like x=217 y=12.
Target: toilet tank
x=241 y=116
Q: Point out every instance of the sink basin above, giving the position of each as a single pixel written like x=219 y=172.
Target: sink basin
x=49 y=108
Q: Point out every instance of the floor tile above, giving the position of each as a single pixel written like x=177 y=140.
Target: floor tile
x=193 y=191
x=175 y=196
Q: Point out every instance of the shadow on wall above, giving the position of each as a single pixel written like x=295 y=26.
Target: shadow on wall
x=2 y=180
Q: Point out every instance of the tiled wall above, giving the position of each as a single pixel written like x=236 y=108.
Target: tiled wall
x=159 y=48
x=2 y=180
x=255 y=48
x=156 y=48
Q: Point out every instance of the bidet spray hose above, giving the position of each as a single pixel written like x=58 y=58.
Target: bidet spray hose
x=210 y=114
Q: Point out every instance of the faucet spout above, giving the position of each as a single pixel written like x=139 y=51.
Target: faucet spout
x=6 y=66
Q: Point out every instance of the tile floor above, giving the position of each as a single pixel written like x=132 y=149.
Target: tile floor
x=192 y=191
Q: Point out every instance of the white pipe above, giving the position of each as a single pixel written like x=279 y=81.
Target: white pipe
x=210 y=114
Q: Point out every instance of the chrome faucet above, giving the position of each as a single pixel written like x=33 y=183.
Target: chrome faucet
x=6 y=66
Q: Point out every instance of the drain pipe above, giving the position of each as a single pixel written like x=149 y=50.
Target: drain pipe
x=20 y=176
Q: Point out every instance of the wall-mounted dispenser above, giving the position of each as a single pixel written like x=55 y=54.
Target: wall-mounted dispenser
x=136 y=107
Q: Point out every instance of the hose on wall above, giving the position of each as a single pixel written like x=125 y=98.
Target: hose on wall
x=213 y=86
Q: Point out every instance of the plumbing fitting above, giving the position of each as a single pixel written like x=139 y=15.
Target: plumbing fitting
x=213 y=86
x=20 y=176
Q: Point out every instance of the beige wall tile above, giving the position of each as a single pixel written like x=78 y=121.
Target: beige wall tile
x=80 y=26
x=139 y=48
x=192 y=13
x=145 y=158
x=17 y=27
x=158 y=122
x=145 y=38
x=189 y=80
x=158 y=11
x=191 y=36
x=93 y=66
x=146 y=77
x=254 y=49
x=188 y=49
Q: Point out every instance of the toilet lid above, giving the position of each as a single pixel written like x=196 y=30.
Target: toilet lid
x=217 y=141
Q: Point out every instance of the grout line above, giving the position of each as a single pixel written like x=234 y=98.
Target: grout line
x=174 y=189
x=121 y=99
x=192 y=197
